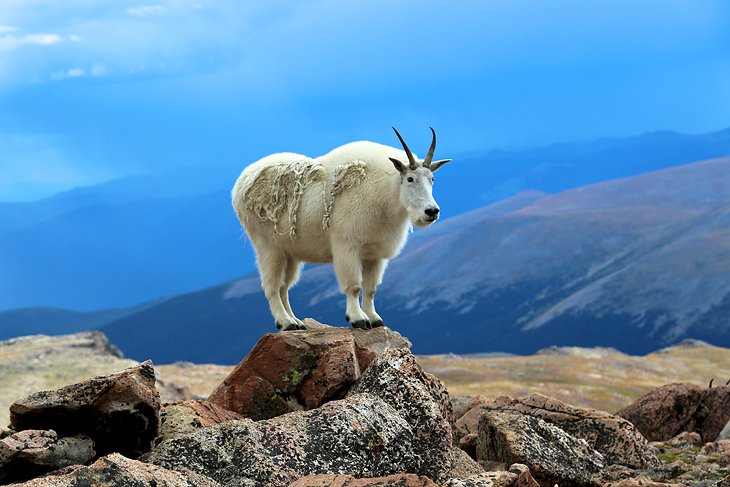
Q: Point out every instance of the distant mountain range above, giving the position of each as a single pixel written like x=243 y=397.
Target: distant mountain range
x=636 y=264
x=141 y=238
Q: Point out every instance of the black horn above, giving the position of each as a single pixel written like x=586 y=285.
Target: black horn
x=711 y=380
x=411 y=159
x=429 y=156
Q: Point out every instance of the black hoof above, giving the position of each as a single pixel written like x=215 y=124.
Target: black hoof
x=292 y=327
x=347 y=318
x=278 y=325
x=377 y=324
x=301 y=327
x=362 y=324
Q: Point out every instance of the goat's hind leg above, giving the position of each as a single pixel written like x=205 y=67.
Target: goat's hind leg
x=291 y=276
x=272 y=267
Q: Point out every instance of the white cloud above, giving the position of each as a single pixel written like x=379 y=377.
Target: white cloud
x=10 y=42
x=7 y=28
x=69 y=73
x=74 y=38
x=146 y=10
x=76 y=72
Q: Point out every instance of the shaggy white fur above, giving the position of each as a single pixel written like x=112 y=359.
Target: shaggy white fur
x=352 y=207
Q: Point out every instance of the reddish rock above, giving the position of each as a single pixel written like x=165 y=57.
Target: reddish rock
x=299 y=370
x=119 y=411
x=328 y=480
x=464 y=403
x=667 y=411
x=186 y=416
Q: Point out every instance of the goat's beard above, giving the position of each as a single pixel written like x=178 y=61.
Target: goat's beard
x=420 y=222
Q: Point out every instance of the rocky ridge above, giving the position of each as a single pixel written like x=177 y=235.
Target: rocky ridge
x=340 y=407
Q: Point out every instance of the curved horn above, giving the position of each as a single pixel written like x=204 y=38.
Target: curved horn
x=411 y=159
x=429 y=156
x=710 y=386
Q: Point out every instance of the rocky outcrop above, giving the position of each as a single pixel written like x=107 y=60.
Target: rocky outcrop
x=666 y=411
x=116 y=470
x=29 y=453
x=361 y=436
x=119 y=411
x=552 y=455
x=419 y=398
x=302 y=370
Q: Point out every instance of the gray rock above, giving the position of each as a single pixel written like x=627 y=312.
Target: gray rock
x=552 y=455
x=462 y=465
x=420 y=399
x=119 y=411
x=612 y=436
x=116 y=470
x=28 y=453
x=360 y=436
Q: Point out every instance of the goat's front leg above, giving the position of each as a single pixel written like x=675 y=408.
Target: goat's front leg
x=372 y=275
x=348 y=268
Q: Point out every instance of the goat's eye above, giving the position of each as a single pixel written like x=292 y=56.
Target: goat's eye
x=410 y=180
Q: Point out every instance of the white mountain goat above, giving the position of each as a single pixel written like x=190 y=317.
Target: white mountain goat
x=352 y=207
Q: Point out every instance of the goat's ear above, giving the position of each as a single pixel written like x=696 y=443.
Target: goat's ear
x=437 y=164
x=398 y=165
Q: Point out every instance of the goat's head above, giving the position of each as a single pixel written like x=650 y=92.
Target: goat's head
x=416 y=188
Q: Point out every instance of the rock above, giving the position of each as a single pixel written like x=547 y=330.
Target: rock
x=302 y=370
x=329 y=480
x=119 y=411
x=462 y=465
x=187 y=416
x=116 y=470
x=552 y=455
x=361 y=436
x=468 y=422
x=419 y=398
x=464 y=403
x=686 y=438
x=640 y=481
x=518 y=475
x=468 y=443
x=29 y=453
x=663 y=413
x=613 y=437
x=720 y=450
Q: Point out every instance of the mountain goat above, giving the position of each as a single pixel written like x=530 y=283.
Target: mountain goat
x=352 y=207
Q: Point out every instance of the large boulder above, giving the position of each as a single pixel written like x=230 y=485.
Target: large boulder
x=301 y=370
x=666 y=411
x=361 y=436
x=119 y=411
x=552 y=455
x=116 y=470
x=419 y=398
x=29 y=453
x=614 y=437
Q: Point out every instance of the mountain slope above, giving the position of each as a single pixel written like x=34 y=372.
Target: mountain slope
x=636 y=264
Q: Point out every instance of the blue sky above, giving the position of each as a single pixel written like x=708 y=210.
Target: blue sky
x=93 y=90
